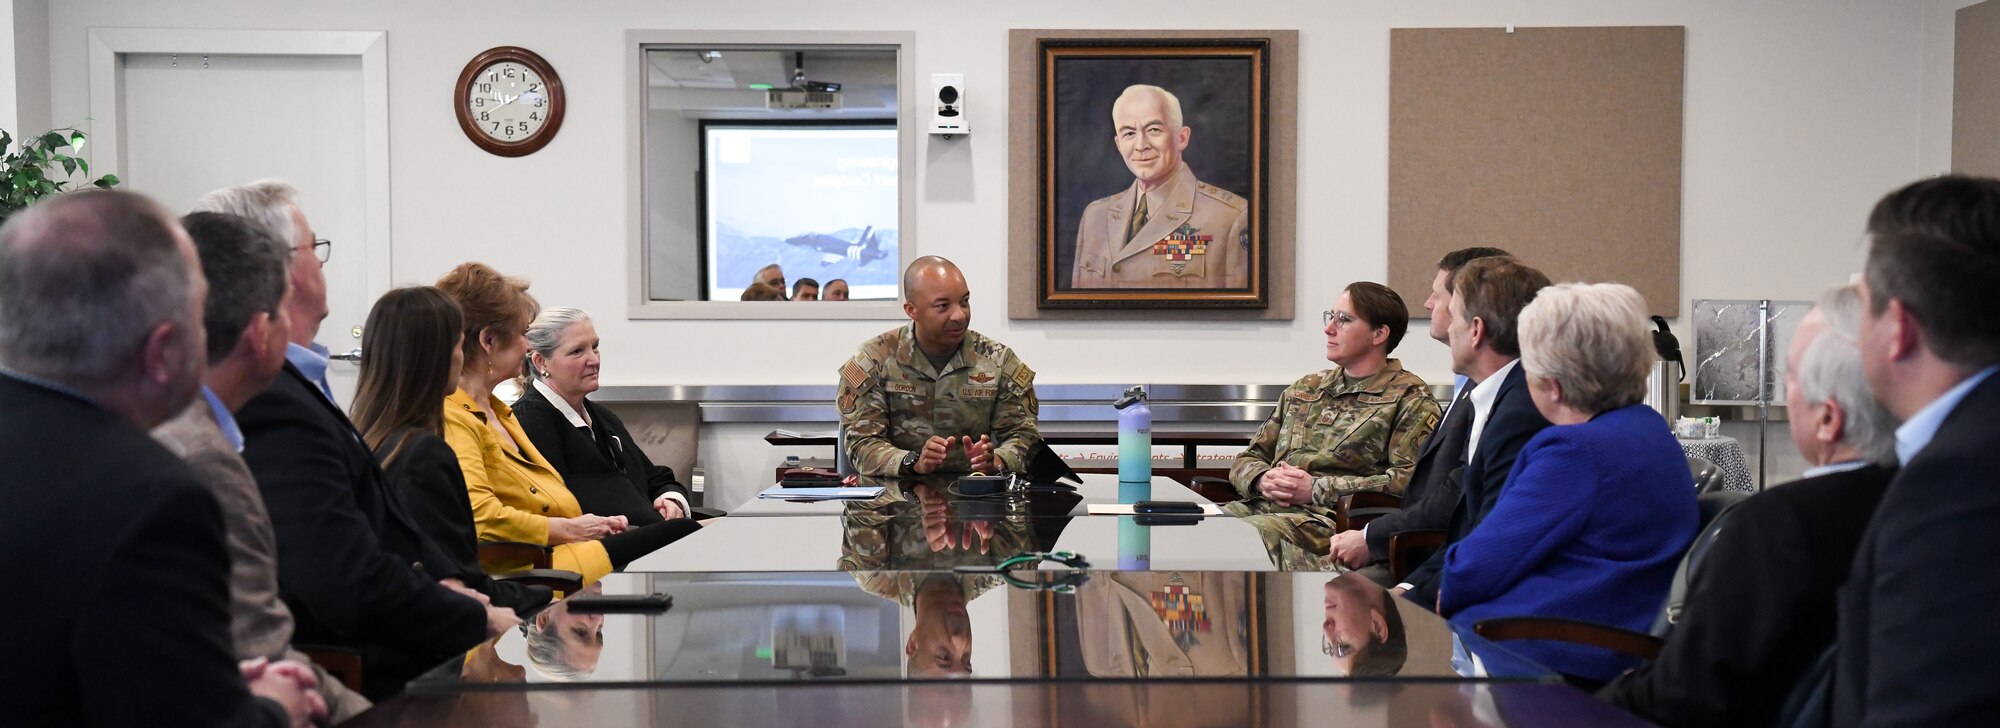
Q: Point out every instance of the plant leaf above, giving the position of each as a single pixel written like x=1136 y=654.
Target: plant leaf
x=76 y=140
x=107 y=181
x=69 y=165
x=54 y=140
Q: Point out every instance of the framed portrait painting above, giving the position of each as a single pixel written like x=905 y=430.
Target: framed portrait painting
x=1153 y=183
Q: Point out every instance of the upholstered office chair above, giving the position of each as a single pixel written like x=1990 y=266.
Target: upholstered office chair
x=1355 y=510
x=1714 y=507
x=1708 y=478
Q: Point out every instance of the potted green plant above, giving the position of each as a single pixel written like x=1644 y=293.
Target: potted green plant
x=25 y=170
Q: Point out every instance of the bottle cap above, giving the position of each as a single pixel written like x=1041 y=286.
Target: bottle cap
x=1134 y=395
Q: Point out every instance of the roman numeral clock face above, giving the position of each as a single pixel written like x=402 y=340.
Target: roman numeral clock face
x=509 y=101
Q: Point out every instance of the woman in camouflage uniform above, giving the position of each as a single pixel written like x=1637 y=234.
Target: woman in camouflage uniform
x=1354 y=427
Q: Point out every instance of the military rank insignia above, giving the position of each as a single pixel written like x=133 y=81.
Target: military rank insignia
x=1183 y=611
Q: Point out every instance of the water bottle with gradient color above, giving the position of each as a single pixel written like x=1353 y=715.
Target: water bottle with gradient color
x=1135 y=438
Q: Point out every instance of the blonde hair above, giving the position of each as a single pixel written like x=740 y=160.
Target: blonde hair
x=1593 y=339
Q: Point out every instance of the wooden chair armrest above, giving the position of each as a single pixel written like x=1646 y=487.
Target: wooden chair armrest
x=343 y=663
x=1216 y=489
x=1573 y=631
x=1356 y=509
x=534 y=554
x=1404 y=547
x=564 y=582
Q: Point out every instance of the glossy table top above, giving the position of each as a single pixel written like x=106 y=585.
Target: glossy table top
x=1056 y=624
x=1096 y=488
x=962 y=704
x=929 y=525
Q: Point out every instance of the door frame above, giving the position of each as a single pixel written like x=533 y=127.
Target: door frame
x=107 y=96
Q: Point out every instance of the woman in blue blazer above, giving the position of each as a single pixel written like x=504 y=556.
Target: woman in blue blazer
x=1598 y=508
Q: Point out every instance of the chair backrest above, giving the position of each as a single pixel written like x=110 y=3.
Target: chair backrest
x=669 y=433
x=843 y=461
x=1713 y=507
x=1708 y=478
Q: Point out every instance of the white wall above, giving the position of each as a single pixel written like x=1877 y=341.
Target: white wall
x=1799 y=114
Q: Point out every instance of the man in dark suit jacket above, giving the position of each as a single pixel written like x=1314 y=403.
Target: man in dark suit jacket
x=1759 y=608
x=1432 y=492
x=128 y=624
x=1916 y=619
x=351 y=566
x=354 y=569
x=1486 y=301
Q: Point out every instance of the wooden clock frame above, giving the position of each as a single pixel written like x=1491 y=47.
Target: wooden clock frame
x=461 y=96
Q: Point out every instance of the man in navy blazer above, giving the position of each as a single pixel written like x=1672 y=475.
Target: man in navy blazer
x=100 y=339
x=1432 y=493
x=1917 y=615
x=1486 y=301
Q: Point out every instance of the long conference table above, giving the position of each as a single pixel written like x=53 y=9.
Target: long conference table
x=896 y=611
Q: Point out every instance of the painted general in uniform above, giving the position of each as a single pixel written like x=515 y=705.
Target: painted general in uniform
x=1168 y=230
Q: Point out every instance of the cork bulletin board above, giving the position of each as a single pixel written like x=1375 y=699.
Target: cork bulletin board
x=1975 y=91
x=1561 y=145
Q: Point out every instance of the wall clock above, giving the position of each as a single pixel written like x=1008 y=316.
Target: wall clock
x=509 y=101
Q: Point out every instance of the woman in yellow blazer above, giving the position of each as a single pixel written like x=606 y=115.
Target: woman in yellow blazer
x=516 y=495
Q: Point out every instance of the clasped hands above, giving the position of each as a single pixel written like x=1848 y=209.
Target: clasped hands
x=290 y=684
x=1286 y=484
x=936 y=449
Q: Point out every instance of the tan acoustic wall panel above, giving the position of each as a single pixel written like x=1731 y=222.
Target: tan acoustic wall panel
x=1561 y=145
x=1975 y=91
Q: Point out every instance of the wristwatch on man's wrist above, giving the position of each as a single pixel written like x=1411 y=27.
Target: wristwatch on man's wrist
x=909 y=466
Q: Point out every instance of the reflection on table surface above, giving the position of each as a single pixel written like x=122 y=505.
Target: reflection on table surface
x=1032 y=624
x=1096 y=488
x=931 y=524
x=962 y=704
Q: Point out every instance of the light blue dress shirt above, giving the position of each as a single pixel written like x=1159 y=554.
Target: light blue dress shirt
x=223 y=419
x=311 y=362
x=1917 y=431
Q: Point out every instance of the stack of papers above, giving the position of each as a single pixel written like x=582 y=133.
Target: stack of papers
x=817 y=494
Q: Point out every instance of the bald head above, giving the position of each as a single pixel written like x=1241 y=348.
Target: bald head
x=931 y=267
x=938 y=304
x=101 y=291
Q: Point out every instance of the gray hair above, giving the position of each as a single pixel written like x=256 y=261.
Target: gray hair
x=267 y=202
x=246 y=271
x=1593 y=339
x=1134 y=90
x=546 y=653
x=1830 y=368
x=546 y=333
x=84 y=279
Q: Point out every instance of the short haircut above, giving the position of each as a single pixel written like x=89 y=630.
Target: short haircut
x=761 y=291
x=1935 y=246
x=801 y=284
x=1593 y=339
x=266 y=202
x=1134 y=90
x=1830 y=368
x=1495 y=290
x=1454 y=260
x=1386 y=657
x=489 y=301
x=916 y=269
x=405 y=366
x=546 y=333
x=84 y=279
x=247 y=270
x=1379 y=305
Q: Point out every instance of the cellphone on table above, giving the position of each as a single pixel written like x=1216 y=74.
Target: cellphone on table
x=1166 y=506
x=1167 y=519
x=641 y=603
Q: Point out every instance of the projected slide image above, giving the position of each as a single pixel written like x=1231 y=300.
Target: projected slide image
x=819 y=200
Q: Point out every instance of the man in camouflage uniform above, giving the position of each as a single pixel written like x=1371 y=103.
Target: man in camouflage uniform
x=1334 y=433
x=935 y=396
